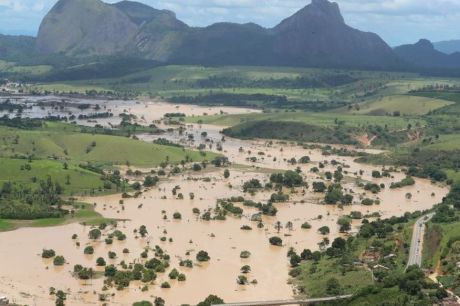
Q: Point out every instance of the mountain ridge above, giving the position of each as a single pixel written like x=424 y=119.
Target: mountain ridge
x=316 y=35
x=448 y=46
x=424 y=54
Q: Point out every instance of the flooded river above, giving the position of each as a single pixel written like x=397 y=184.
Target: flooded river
x=26 y=278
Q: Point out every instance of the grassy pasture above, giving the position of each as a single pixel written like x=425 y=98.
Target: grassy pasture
x=445 y=142
x=319 y=119
x=77 y=147
x=454 y=175
x=12 y=68
x=81 y=181
x=404 y=104
x=454 y=97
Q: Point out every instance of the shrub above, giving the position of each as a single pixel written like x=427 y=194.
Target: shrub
x=367 y=202
x=203 y=256
x=324 y=230
x=245 y=254
x=59 y=261
x=89 y=250
x=211 y=300
x=276 y=241
x=319 y=187
x=95 y=234
x=48 y=253
x=100 y=262
x=165 y=285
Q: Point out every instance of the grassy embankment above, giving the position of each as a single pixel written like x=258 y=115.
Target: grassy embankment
x=83 y=213
x=29 y=157
x=59 y=144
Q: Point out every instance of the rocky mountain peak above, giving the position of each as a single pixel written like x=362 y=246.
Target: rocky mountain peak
x=425 y=44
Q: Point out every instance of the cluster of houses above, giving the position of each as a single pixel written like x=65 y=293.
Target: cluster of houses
x=10 y=88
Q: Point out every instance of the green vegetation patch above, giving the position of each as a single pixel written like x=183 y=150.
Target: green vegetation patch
x=446 y=95
x=401 y=105
x=11 y=68
x=319 y=119
x=445 y=142
x=6 y=225
x=315 y=277
x=297 y=131
x=74 y=179
x=79 y=147
x=82 y=213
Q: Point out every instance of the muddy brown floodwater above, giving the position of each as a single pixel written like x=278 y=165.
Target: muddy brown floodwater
x=26 y=278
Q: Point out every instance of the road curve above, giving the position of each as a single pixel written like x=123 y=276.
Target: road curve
x=416 y=246
x=289 y=302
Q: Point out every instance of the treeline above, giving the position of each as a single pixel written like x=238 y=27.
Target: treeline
x=21 y=123
x=256 y=101
x=296 y=131
x=8 y=106
x=23 y=202
x=95 y=116
x=320 y=81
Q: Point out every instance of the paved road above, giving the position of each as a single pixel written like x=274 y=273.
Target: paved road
x=416 y=246
x=289 y=302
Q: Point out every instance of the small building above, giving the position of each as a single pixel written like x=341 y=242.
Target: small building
x=370 y=255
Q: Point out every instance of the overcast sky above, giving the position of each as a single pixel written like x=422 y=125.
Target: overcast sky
x=396 y=21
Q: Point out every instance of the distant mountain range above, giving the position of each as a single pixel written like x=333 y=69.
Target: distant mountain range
x=315 y=36
x=423 y=54
x=448 y=46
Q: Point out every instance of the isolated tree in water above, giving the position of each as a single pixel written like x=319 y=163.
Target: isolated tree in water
x=278 y=226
